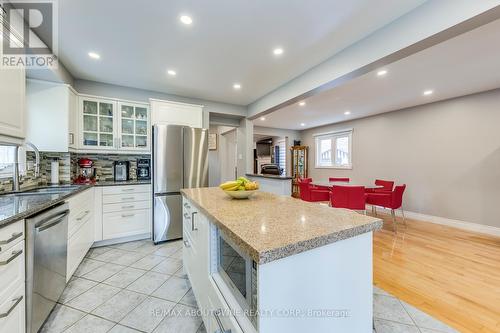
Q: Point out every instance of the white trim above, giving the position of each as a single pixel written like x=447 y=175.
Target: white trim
x=347 y=130
x=113 y=241
x=469 y=226
x=113 y=99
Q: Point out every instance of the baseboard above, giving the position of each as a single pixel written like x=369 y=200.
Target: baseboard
x=121 y=240
x=469 y=226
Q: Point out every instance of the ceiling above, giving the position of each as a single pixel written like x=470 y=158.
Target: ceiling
x=460 y=66
x=229 y=41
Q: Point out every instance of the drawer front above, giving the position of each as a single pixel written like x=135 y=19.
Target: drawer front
x=11 y=269
x=123 y=224
x=126 y=206
x=78 y=245
x=12 y=311
x=126 y=189
x=76 y=222
x=80 y=202
x=11 y=235
x=128 y=197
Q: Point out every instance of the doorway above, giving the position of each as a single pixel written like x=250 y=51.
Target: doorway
x=228 y=157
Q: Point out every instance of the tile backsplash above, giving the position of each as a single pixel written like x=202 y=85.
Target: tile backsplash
x=104 y=164
x=68 y=168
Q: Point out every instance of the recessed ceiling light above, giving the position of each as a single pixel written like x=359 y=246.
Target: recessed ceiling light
x=171 y=72
x=262 y=118
x=302 y=103
x=302 y=124
x=347 y=113
x=237 y=86
x=187 y=20
x=428 y=92
x=278 y=51
x=94 y=55
x=382 y=72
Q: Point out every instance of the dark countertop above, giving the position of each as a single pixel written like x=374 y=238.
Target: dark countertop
x=16 y=206
x=269 y=176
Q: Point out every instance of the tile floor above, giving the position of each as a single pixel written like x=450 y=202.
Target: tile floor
x=131 y=287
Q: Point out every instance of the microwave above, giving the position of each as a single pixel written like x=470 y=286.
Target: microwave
x=236 y=272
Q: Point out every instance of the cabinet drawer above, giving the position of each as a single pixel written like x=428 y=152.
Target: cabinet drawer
x=129 y=197
x=11 y=235
x=126 y=206
x=11 y=269
x=76 y=222
x=79 y=202
x=123 y=224
x=12 y=311
x=78 y=245
x=126 y=189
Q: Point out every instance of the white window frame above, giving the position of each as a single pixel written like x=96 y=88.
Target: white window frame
x=332 y=135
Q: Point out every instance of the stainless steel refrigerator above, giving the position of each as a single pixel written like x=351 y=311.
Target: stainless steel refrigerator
x=180 y=160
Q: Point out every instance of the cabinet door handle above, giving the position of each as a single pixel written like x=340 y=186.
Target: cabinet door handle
x=12 y=307
x=128 y=215
x=14 y=255
x=186 y=244
x=128 y=207
x=128 y=198
x=83 y=215
x=14 y=236
x=71 y=139
x=217 y=314
x=193 y=228
x=128 y=190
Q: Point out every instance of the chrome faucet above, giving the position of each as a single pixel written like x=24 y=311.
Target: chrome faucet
x=15 y=177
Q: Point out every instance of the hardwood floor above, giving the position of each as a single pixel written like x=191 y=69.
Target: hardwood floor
x=452 y=274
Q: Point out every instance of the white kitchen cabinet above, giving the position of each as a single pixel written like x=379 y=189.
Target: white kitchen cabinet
x=51 y=122
x=175 y=113
x=111 y=124
x=12 y=103
x=126 y=211
x=80 y=229
x=12 y=278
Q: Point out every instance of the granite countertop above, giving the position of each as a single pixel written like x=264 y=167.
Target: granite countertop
x=124 y=182
x=16 y=206
x=269 y=176
x=269 y=227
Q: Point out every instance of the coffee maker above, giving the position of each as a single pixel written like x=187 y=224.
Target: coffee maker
x=121 y=170
x=143 y=169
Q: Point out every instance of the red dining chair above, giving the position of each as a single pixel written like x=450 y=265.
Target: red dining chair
x=311 y=193
x=392 y=200
x=387 y=186
x=339 y=179
x=350 y=197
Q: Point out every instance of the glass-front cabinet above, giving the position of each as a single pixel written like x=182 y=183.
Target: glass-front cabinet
x=134 y=126
x=114 y=125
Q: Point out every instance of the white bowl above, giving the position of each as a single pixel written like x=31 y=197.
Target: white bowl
x=240 y=194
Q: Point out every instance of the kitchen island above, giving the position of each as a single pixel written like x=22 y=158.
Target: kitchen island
x=278 y=264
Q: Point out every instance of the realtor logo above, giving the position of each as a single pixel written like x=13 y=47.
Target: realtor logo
x=28 y=33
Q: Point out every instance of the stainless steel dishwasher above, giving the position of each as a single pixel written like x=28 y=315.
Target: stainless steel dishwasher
x=46 y=255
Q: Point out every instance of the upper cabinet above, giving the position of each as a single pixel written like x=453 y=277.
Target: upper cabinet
x=107 y=124
x=12 y=103
x=51 y=122
x=174 y=113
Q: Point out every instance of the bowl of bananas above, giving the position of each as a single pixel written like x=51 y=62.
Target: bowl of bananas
x=241 y=188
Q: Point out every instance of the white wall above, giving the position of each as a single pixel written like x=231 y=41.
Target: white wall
x=448 y=154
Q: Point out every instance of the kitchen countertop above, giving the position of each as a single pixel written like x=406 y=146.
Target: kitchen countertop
x=269 y=227
x=269 y=176
x=16 y=206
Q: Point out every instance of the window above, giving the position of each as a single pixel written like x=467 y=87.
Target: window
x=334 y=150
x=282 y=156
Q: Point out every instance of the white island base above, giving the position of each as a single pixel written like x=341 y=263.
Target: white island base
x=326 y=289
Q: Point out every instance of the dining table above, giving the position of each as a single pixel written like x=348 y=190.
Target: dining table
x=326 y=183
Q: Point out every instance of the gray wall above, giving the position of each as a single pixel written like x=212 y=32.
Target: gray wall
x=448 y=154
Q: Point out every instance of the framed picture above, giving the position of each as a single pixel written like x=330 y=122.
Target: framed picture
x=212 y=141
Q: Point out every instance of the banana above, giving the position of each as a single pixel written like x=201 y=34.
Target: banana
x=230 y=184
